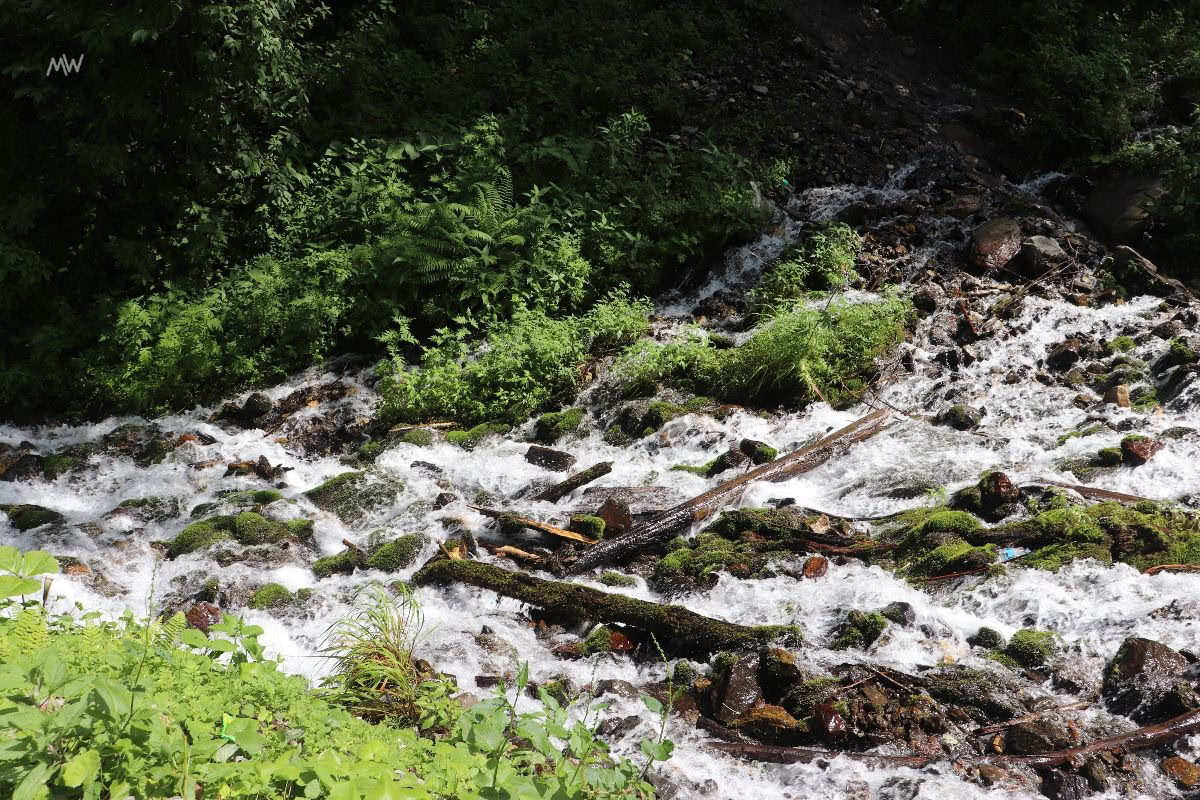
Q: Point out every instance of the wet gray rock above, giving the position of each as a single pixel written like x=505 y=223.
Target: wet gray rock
x=1037 y=736
x=994 y=243
x=961 y=417
x=1064 y=355
x=547 y=458
x=739 y=691
x=899 y=612
x=1040 y=254
x=1145 y=681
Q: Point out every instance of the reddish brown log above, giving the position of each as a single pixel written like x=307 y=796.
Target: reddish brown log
x=661 y=528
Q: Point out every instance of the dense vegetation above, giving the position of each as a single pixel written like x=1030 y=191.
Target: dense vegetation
x=155 y=708
x=225 y=192
x=1089 y=75
x=229 y=191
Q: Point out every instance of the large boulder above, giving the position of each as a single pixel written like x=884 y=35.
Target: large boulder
x=994 y=243
x=1145 y=681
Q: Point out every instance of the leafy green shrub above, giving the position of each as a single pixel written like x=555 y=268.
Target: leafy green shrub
x=825 y=260
x=797 y=357
x=615 y=322
x=158 y=709
x=522 y=367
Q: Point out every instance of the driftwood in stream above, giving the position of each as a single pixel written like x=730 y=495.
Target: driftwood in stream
x=508 y=518
x=1097 y=494
x=677 y=629
x=1138 y=739
x=661 y=528
x=560 y=490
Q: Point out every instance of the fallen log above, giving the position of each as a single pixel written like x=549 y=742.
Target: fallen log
x=516 y=554
x=665 y=525
x=1139 y=739
x=1171 y=568
x=560 y=490
x=1097 y=494
x=427 y=425
x=677 y=629
x=516 y=520
x=988 y=730
x=776 y=754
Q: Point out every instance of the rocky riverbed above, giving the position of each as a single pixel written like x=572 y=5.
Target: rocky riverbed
x=958 y=588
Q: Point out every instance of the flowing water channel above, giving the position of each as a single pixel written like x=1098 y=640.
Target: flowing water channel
x=1092 y=607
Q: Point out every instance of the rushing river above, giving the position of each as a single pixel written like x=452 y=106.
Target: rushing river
x=1092 y=607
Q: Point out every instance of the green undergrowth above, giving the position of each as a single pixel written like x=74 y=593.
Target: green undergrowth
x=793 y=357
x=98 y=709
x=523 y=366
x=822 y=262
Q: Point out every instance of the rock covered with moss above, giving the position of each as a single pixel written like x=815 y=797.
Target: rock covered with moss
x=555 y=425
x=860 y=630
x=247 y=528
x=27 y=516
x=352 y=496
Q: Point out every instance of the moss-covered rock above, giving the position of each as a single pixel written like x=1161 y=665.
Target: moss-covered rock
x=1120 y=344
x=419 y=437
x=588 y=525
x=987 y=638
x=247 y=528
x=27 y=516
x=960 y=523
x=1031 y=648
x=984 y=694
x=343 y=563
x=613 y=578
x=711 y=554
x=351 y=496
x=759 y=452
x=968 y=499
x=553 y=426
x=469 y=440
x=803 y=697
x=1179 y=352
x=860 y=630
x=949 y=555
x=273 y=595
x=199 y=535
x=396 y=554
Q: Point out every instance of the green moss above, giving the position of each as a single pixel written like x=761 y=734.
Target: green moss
x=956 y=522
x=303 y=596
x=612 y=578
x=59 y=463
x=711 y=554
x=273 y=595
x=370 y=450
x=860 y=630
x=1056 y=556
x=617 y=437
x=969 y=499
x=251 y=528
x=351 y=495
x=420 y=437
x=953 y=555
x=396 y=554
x=659 y=413
x=588 y=525
x=1109 y=457
x=557 y=424
x=802 y=698
x=598 y=641
x=1180 y=353
x=210 y=591
x=763 y=453
x=679 y=630
x=1031 y=648
x=704 y=470
x=988 y=638
x=469 y=440
x=302 y=529
x=200 y=535
x=344 y=563
x=1002 y=658
x=1120 y=344
x=26 y=516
